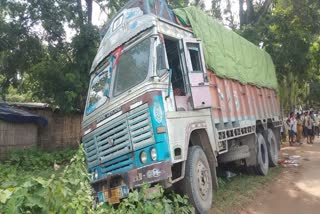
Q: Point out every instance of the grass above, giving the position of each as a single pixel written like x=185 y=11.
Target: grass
x=239 y=190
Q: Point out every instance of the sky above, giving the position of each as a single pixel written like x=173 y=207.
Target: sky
x=98 y=16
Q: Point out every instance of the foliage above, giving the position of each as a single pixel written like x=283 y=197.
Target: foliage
x=34 y=187
x=36 y=159
x=19 y=47
x=15 y=96
x=36 y=58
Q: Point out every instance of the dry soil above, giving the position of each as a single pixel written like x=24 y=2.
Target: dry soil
x=296 y=190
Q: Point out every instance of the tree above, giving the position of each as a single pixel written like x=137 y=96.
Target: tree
x=34 y=42
x=291 y=32
x=216 y=9
x=254 y=11
x=20 y=48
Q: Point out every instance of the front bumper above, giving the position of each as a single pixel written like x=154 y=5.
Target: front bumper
x=115 y=186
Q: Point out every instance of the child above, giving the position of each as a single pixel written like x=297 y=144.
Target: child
x=292 y=128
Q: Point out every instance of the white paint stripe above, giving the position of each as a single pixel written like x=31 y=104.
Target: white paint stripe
x=135 y=105
x=109 y=118
x=87 y=132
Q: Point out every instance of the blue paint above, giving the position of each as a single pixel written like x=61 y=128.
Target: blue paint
x=130 y=14
x=163 y=136
x=124 y=169
x=90 y=108
x=133 y=25
x=163 y=154
x=92 y=170
x=101 y=197
x=128 y=162
x=162 y=142
x=113 y=168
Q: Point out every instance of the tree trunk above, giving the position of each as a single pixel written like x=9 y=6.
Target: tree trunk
x=250 y=12
x=4 y=88
x=241 y=13
x=80 y=14
x=263 y=10
x=89 y=11
x=250 y=16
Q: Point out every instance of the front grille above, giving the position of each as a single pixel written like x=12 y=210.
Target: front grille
x=110 y=145
x=140 y=129
x=113 y=141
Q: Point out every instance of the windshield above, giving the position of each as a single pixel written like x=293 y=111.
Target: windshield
x=132 y=67
x=97 y=93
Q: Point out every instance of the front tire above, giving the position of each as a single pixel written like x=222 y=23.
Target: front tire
x=197 y=183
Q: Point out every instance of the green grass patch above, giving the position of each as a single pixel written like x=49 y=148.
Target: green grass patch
x=240 y=189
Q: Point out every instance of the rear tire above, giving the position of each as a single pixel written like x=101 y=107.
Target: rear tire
x=197 y=183
x=272 y=144
x=262 y=166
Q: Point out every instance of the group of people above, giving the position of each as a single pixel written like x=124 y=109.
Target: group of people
x=302 y=125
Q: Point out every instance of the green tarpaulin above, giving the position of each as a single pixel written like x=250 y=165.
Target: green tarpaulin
x=228 y=54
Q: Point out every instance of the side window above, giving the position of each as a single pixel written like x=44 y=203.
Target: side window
x=161 y=61
x=194 y=52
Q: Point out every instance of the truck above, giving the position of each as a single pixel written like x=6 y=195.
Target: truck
x=174 y=95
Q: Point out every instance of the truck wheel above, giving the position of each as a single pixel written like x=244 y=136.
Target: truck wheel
x=272 y=148
x=197 y=183
x=235 y=153
x=277 y=134
x=262 y=156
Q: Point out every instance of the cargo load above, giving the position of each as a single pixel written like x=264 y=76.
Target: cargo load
x=228 y=54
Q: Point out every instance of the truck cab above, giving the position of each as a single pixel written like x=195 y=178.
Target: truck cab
x=149 y=115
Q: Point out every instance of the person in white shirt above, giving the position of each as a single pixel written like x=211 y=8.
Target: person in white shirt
x=292 y=128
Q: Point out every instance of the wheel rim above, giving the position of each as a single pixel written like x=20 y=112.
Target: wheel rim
x=203 y=180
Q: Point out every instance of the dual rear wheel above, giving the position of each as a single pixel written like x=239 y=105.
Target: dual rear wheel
x=267 y=152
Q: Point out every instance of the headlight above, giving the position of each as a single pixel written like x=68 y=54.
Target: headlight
x=143 y=157
x=153 y=154
x=95 y=174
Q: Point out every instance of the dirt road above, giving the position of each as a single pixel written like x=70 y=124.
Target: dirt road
x=296 y=190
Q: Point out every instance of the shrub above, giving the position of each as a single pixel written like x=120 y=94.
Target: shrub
x=69 y=190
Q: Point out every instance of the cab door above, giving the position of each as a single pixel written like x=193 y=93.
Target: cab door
x=194 y=64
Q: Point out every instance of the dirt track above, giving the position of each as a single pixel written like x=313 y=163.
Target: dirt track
x=296 y=190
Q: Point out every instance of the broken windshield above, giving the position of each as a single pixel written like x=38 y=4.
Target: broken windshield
x=98 y=88
x=132 y=67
